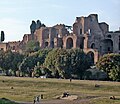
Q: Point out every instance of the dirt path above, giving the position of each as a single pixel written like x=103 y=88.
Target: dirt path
x=63 y=101
x=58 y=102
x=66 y=101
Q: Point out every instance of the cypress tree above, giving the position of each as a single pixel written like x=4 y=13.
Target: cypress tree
x=2 y=36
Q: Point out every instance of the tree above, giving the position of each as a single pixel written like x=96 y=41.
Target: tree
x=11 y=61
x=38 y=25
x=37 y=72
x=110 y=63
x=42 y=54
x=32 y=46
x=33 y=27
x=17 y=59
x=54 y=60
x=1 y=58
x=8 y=58
x=115 y=73
x=30 y=63
x=80 y=62
x=2 y=36
x=27 y=65
x=67 y=62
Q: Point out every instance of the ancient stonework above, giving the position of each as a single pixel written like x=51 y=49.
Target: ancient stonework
x=87 y=33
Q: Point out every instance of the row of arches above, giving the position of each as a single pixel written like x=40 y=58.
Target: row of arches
x=69 y=43
x=106 y=46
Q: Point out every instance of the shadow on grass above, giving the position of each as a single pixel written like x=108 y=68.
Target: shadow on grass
x=117 y=99
x=114 y=98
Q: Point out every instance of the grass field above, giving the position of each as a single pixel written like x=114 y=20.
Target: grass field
x=24 y=89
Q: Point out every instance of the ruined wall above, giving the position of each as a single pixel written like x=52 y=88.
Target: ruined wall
x=61 y=30
x=4 y=46
x=88 y=34
x=46 y=35
x=104 y=27
x=26 y=38
x=14 y=46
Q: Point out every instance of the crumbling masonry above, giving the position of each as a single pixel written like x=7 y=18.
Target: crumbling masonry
x=87 y=33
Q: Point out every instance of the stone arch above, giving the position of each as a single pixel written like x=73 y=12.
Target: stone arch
x=69 y=43
x=72 y=38
x=93 y=53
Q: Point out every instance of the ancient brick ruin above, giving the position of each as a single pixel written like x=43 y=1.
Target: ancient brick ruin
x=87 y=33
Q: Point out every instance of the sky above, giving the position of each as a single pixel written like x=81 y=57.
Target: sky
x=17 y=15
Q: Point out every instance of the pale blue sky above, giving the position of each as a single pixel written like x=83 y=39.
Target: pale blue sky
x=16 y=15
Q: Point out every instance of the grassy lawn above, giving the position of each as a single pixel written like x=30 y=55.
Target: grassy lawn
x=24 y=89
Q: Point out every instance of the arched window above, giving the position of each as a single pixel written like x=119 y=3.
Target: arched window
x=108 y=46
x=52 y=44
x=93 y=45
x=46 y=44
x=80 y=31
x=69 y=43
x=109 y=36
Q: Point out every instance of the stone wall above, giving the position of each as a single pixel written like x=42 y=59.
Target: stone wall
x=4 y=46
x=88 y=34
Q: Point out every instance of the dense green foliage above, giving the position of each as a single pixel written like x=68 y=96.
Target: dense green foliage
x=32 y=46
x=110 y=63
x=33 y=62
x=64 y=63
x=9 y=62
x=67 y=63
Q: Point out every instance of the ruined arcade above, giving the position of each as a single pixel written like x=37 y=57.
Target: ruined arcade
x=87 y=33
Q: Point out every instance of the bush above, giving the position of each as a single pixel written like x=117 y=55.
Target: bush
x=110 y=64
